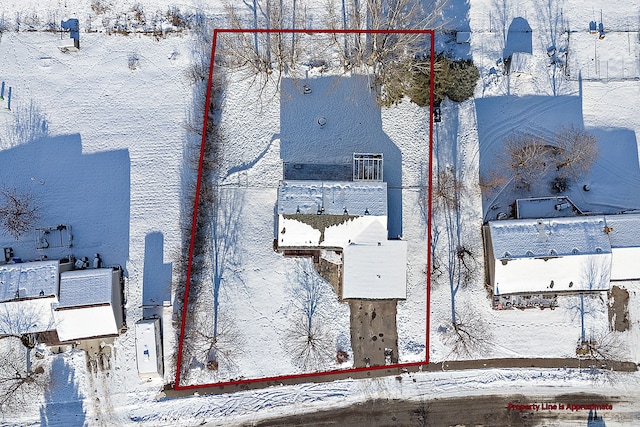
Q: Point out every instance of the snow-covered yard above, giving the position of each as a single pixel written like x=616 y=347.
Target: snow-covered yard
x=99 y=138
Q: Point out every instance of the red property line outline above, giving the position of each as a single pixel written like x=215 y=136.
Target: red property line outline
x=177 y=385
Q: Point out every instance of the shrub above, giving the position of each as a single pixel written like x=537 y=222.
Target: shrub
x=560 y=184
x=342 y=356
x=463 y=79
x=454 y=79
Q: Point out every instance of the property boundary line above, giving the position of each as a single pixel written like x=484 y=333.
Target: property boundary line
x=177 y=385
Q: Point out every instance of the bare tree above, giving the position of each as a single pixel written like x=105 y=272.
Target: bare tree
x=22 y=323
x=527 y=156
x=389 y=57
x=216 y=349
x=457 y=265
x=20 y=380
x=595 y=274
x=448 y=189
x=603 y=346
x=492 y=181
x=307 y=339
x=468 y=335
x=267 y=56
x=575 y=151
x=18 y=212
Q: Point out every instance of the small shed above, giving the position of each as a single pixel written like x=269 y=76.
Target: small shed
x=149 y=349
x=375 y=270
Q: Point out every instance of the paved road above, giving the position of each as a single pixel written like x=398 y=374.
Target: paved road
x=472 y=411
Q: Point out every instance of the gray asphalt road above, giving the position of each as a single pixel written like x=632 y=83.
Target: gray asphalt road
x=496 y=410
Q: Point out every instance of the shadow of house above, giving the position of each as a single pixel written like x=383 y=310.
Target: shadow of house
x=90 y=192
x=614 y=178
x=335 y=118
x=63 y=401
x=156 y=279
x=539 y=115
x=518 y=38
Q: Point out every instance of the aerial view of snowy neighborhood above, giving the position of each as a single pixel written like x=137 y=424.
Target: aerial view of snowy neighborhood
x=319 y=212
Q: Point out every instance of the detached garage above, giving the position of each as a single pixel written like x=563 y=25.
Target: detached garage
x=375 y=270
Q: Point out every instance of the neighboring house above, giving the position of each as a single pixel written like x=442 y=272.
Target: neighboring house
x=90 y=304
x=48 y=297
x=624 y=234
x=27 y=291
x=561 y=255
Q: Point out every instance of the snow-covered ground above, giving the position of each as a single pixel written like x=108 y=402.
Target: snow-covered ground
x=108 y=160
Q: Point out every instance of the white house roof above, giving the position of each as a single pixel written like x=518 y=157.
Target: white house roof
x=525 y=238
x=307 y=197
x=294 y=232
x=550 y=255
x=28 y=280
x=557 y=274
x=85 y=287
x=86 y=322
x=27 y=316
x=375 y=270
x=624 y=234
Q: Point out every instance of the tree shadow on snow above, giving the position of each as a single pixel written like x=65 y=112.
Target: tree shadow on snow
x=90 y=192
x=63 y=401
x=339 y=117
x=156 y=279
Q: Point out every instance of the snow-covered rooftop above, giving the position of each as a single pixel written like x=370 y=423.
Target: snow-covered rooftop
x=333 y=231
x=624 y=230
x=357 y=198
x=86 y=322
x=28 y=280
x=27 y=316
x=551 y=255
x=85 y=287
x=375 y=270
x=524 y=238
x=530 y=254
x=553 y=274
